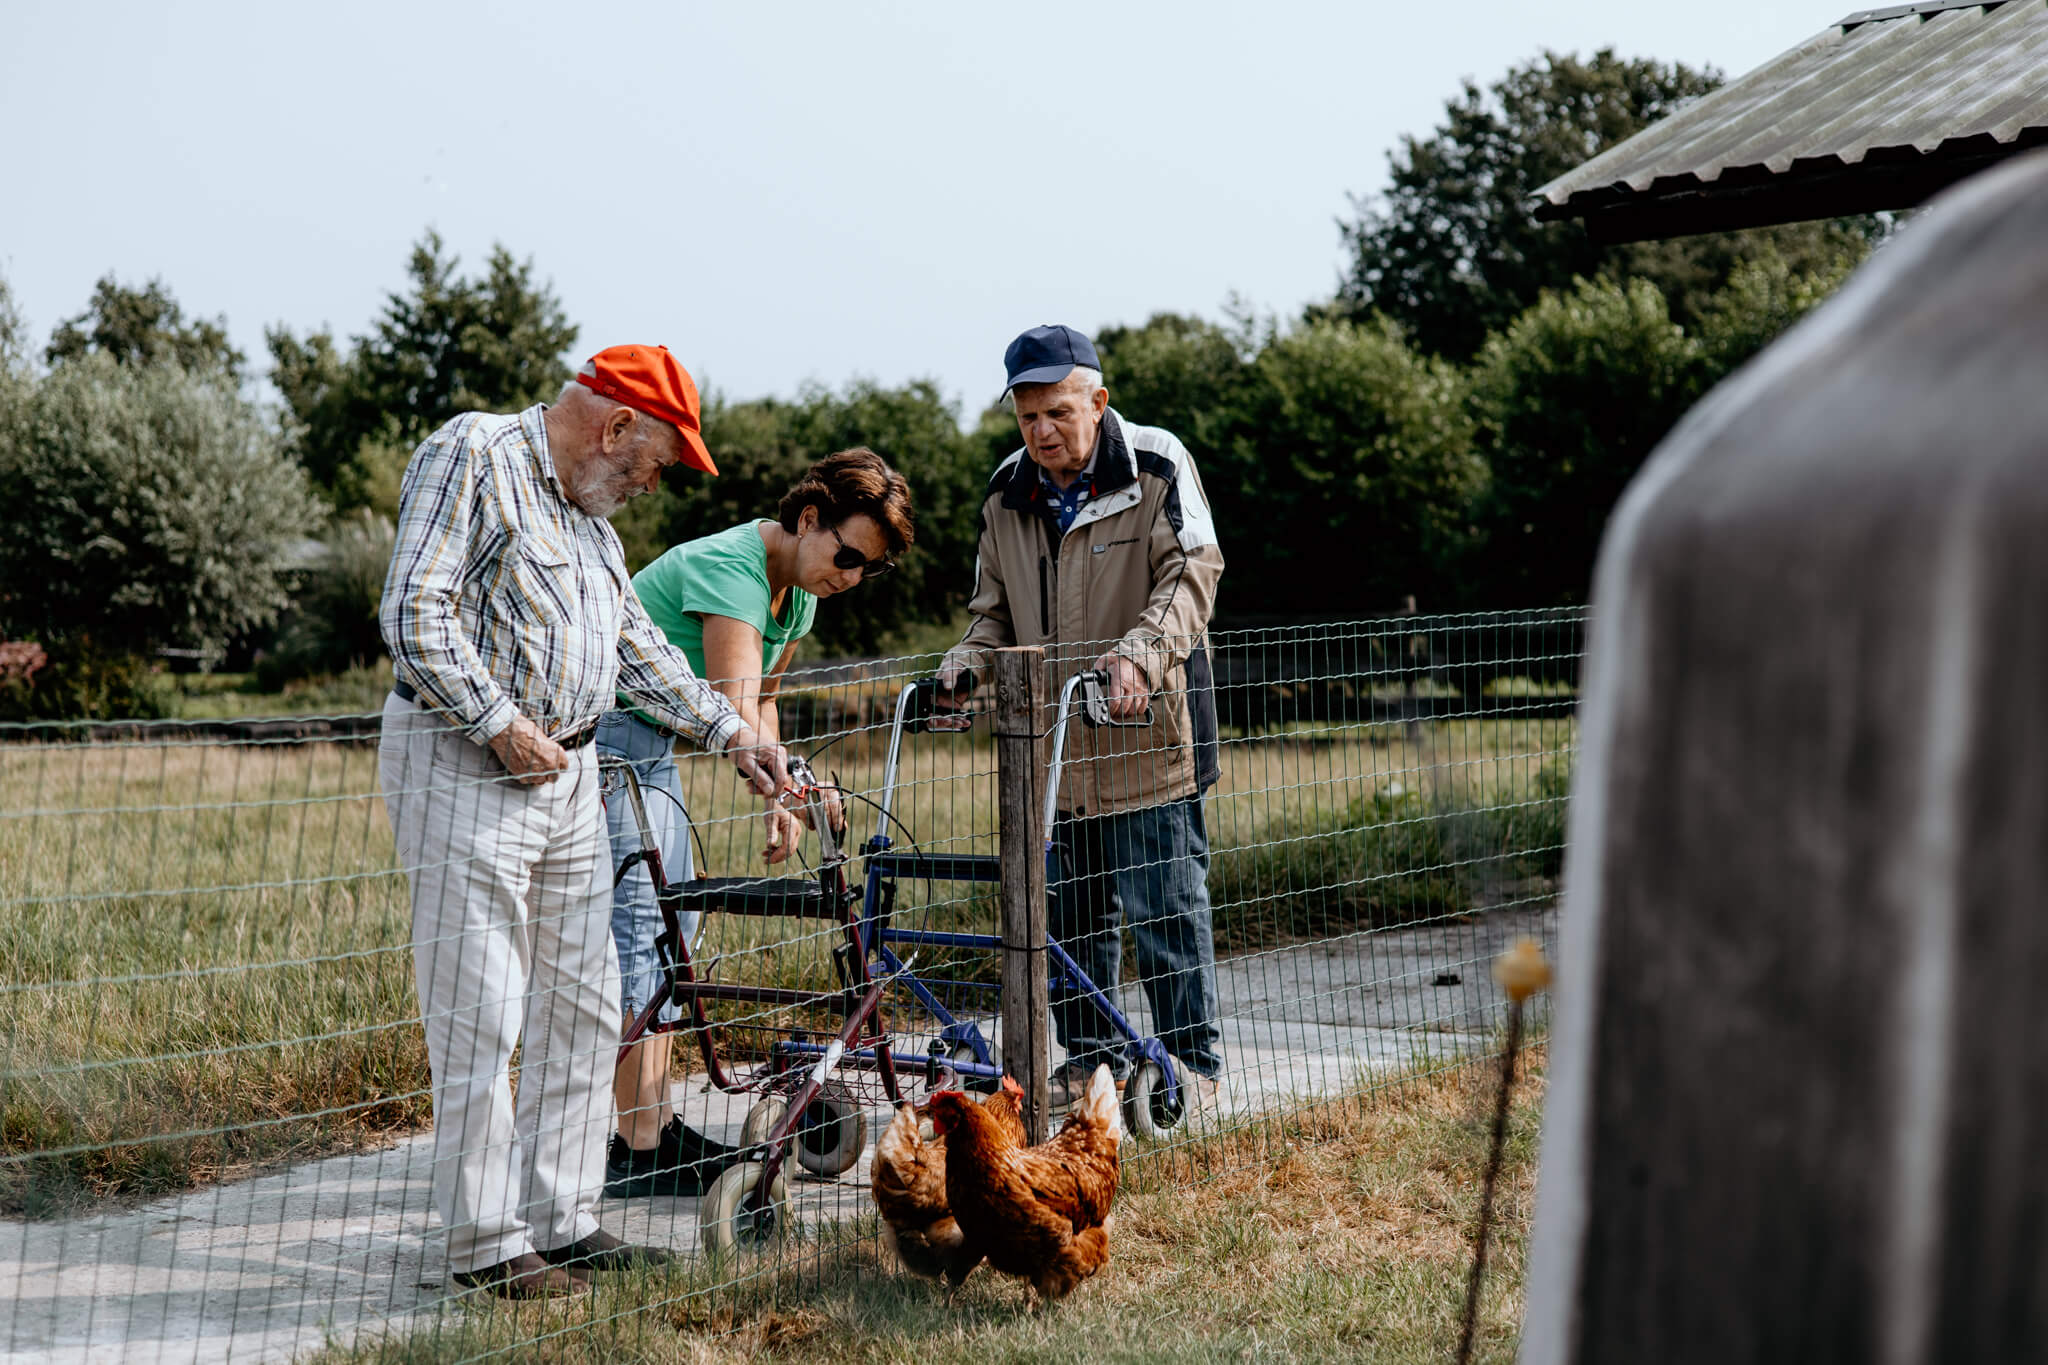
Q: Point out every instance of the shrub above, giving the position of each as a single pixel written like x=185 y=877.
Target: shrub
x=1356 y=444
x=1569 y=401
x=143 y=507
x=81 y=681
x=333 y=623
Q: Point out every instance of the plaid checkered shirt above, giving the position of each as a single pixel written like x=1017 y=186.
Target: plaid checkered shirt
x=504 y=597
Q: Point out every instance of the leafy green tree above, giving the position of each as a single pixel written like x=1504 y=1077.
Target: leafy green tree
x=1365 y=457
x=143 y=507
x=1452 y=250
x=1574 y=395
x=1762 y=299
x=444 y=346
x=13 y=337
x=1569 y=401
x=1338 y=461
x=146 y=326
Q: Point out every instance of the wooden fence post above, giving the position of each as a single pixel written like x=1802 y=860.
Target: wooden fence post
x=1020 y=779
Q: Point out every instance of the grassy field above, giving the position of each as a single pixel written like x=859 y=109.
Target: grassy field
x=1342 y=1232
x=204 y=954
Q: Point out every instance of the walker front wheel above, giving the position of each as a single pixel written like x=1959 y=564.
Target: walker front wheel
x=1148 y=1112
x=729 y=1226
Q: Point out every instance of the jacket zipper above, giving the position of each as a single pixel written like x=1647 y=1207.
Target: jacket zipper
x=1044 y=602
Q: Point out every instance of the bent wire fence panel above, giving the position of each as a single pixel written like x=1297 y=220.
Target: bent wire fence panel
x=216 y=1101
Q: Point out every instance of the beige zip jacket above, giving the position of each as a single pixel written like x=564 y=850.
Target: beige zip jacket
x=1137 y=573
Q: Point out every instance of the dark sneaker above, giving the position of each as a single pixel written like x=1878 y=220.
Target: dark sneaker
x=525 y=1276
x=683 y=1164
x=602 y=1252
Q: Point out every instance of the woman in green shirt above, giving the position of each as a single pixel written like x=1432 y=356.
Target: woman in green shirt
x=736 y=603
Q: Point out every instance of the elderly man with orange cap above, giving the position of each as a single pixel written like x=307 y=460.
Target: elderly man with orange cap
x=512 y=627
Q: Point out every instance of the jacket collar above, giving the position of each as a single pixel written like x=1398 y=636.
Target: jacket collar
x=1114 y=467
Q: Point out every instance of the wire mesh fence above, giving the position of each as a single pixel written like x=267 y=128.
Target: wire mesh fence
x=223 y=974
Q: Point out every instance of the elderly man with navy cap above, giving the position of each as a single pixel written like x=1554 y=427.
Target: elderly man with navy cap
x=1098 y=545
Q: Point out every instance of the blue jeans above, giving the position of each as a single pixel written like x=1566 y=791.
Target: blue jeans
x=1149 y=868
x=636 y=918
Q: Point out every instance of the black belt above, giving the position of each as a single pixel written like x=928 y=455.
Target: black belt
x=405 y=691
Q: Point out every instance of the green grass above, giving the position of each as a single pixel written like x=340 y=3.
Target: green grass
x=186 y=929
x=205 y=958
x=1341 y=1232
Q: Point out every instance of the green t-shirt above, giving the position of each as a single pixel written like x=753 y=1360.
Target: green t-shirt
x=723 y=575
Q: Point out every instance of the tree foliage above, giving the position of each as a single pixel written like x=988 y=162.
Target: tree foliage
x=443 y=346
x=145 y=326
x=1452 y=251
x=13 y=337
x=1338 y=462
x=143 y=507
x=1569 y=400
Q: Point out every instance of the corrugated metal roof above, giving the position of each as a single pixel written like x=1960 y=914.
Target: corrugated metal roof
x=1878 y=111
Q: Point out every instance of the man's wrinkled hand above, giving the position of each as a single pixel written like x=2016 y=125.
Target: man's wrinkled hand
x=784 y=829
x=764 y=767
x=528 y=754
x=955 y=684
x=835 y=810
x=1128 y=692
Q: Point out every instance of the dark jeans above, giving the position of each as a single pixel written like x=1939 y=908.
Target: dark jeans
x=1149 y=868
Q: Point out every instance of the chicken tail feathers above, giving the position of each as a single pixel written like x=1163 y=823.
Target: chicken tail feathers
x=1099 y=1103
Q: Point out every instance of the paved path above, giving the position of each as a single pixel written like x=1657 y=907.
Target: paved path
x=278 y=1265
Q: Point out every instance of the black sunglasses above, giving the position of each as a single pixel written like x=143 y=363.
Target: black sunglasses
x=848 y=558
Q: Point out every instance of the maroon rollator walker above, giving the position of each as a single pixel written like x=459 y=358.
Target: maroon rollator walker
x=811 y=1090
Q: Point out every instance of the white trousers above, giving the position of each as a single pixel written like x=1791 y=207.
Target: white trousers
x=512 y=944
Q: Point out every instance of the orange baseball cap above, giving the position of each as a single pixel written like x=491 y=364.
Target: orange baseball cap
x=648 y=379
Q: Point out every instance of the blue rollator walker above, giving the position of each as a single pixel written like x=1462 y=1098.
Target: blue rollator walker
x=815 y=1082
x=1154 y=1095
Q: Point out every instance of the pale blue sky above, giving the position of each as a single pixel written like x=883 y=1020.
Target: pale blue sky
x=780 y=192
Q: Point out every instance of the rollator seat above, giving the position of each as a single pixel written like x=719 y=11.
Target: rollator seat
x=797 y=896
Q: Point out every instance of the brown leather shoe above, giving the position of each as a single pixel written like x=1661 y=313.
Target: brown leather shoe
x=525 y=1276
x=603 y=1252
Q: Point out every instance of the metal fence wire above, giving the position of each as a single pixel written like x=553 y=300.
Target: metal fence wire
x=217 y=1109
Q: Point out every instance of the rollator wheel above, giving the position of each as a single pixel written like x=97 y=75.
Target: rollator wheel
x=1148 y=1113
x=728 y=1227
x=832 y=1133
x=761 y=1120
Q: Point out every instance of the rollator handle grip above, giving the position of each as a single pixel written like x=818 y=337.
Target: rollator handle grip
x=925 y=713
x=1095 y=685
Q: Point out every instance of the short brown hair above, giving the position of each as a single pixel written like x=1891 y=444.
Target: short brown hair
x=852 y=483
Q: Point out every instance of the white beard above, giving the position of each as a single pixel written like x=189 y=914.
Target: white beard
x=602 y=486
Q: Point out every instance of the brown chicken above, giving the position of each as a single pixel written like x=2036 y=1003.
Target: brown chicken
x=910 y=1191
x=1040 y=1213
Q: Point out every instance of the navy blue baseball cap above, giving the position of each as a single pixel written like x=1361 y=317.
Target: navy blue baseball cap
x=1048 y=354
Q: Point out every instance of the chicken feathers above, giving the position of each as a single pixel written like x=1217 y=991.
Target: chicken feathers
x=909 y=1187
x=1039 y=1213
